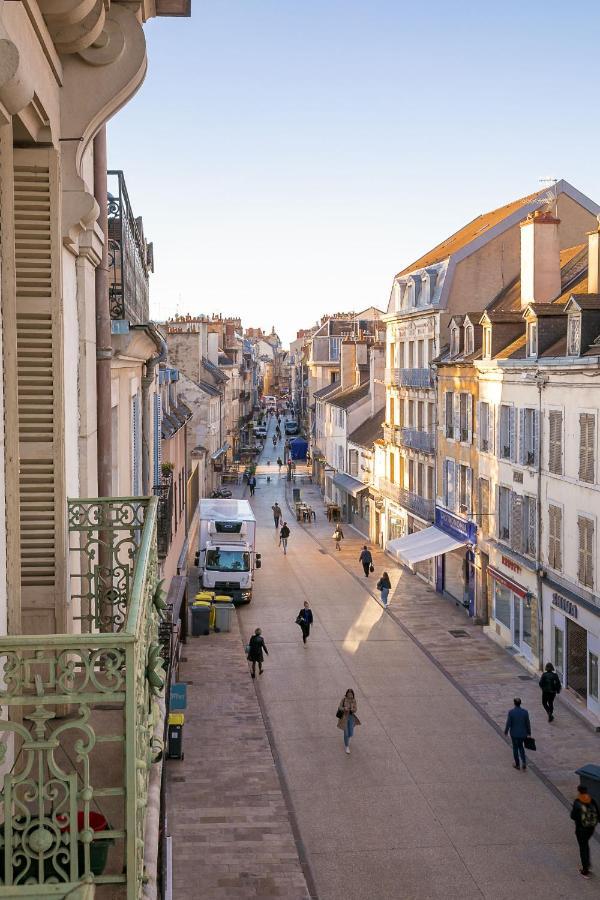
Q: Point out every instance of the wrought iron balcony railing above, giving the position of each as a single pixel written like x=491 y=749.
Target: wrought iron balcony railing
x=79 y=714
x=416 y=378
x=129 y=257
x=164 y=519
x=418 y=440
x=414 y=503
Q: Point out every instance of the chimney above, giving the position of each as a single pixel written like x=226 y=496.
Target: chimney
x=540 y=258
x=376 y=378
x=347 y=365
x=594 y=260
x=213 y=348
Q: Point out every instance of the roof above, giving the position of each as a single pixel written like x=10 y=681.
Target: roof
x=370 y=430
x=325 y=391
x=573 y=270
x=210 y=367
x=587 y=301
x=347 y=398
x=209 y=388
x=468 y=233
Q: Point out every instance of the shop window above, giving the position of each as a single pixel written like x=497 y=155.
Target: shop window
x=555 y=451
x=502 y=604
x=587 y=440
x=559 y=649
x=593 y=675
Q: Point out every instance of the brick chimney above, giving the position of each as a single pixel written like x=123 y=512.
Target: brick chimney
x=376 y=377
x=540 y=258
x=348 y=368
x=594 y=260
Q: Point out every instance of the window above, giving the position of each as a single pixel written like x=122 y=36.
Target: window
x=532 y=339
x=483 y=426
x=353 y=462
x=555 y=537
x=430 y=482
x=587 y=434
x=449 y=414
x=487 y=342
x=469 y=339
x=574 y=336
x=484 y=505
x=529 y=526
x=466 y=418
x=502 y=604
x=593 y=675
x=585 y=569
x=516 y=522
x=529 y=437
x=334 y=348
x=506 y=442
x=454 y=340
x=555 y=461
x=504 y=511
x=559 y=649
x=448 y=485
x=227 y=560
x=465 y=481
x=392 y=417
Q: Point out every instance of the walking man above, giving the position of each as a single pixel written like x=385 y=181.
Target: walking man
x=305 y=620
x=338 y=536
x=550 y=685
x=252 y=485
x=585 y=815
x=519 y=726
x=276 y=513
x=366 y=559
x=256 y=647
x=279 y=464
x=284 y=534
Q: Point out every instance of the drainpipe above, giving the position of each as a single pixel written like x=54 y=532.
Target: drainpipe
x=103 y=331
x=541 y=381
x=147 y=382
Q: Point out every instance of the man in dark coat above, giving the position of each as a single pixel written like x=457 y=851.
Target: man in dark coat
x=366 y=559
x=256 y=647
x=519 y=726
x=284 y=533
x=585 y=815
x=252 y=485
x=550 y=685
x=305 y=620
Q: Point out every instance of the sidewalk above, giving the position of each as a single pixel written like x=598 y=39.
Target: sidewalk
x=481 y=670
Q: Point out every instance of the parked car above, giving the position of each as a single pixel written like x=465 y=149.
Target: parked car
x=291 y=427
x=260 y=432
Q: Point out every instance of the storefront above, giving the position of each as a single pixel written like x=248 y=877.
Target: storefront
x=513 y=614
x=572 y=638
x=396 y=522
x=353 y=499
x=424 y=544
x=455 y=569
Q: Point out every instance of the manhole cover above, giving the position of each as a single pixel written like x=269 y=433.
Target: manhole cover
x=458 y=632
x=525 y=678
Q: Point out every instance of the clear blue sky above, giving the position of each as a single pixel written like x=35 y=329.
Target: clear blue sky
x=289 y=156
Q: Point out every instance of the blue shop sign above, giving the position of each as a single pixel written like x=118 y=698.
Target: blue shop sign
x=178 y=698
x=455 y=526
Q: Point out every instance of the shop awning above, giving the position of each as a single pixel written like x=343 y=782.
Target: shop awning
x=422 y=545
x=351 y=485
x=220 y=451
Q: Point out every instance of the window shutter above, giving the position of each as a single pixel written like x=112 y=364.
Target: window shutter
x=516 y=523
x=531 y=525
x=456 y=417
x=555 y=442
x=536 y=437
x=445 y=482
x=512 y=420
x=450 y=484
x=157 y=439
x=479 y=425
x=552 y=537
x=522 y=458
x=498 y=512
x=587 y=427
x=586 y=537
x=492 y=416
x=469 y=418
x=469 y=492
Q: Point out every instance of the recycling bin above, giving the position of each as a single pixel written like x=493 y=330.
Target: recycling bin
x=223 y=608
x=175 y=736
x=200 y=612
x=589 y=775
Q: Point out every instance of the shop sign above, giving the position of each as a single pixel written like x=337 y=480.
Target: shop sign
x=566 y=605
x=515 y=588
x=510 y=564
x=455 y=526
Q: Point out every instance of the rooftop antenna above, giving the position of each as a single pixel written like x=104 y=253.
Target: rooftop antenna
x=550 y=197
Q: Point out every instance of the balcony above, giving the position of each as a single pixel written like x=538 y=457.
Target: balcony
x=418 y=440
x=164 y=519
x=414 y=503
x=129 y=257
x=392 y=376
x=415 y=378
x=79 y=714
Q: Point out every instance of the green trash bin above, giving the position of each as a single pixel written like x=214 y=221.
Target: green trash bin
x=223 y=608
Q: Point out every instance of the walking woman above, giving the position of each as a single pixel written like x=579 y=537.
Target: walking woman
x=256 y=647
x=338 y=536
x=347 y=717
x=383 y=586
x=305 y=620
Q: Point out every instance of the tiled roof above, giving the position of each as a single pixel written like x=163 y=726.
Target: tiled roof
x=468 y=233
x=370 y=431
x=346 y=398
x=327 y=390
x=210 y=367
x=573 y=269
x=587 y=301
x=209 y=388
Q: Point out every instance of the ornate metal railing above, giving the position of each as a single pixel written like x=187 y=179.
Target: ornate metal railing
x=418 y=440
x=129 y=257
x=414 y=503
x=79 y=713
x=164 y=522
x=416 y=378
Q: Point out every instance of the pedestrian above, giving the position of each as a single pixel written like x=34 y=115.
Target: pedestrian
x=585 y=815
x=383 y=586
x=338 y=536
x=305 y=619
x=276 y=513
x=274 y=440
x=347 y=718
x=367 y=561
x=550 y=685
x=519 y=726
x=284 y=534
x=256 y=648
x=252 y=485
x=279 y=464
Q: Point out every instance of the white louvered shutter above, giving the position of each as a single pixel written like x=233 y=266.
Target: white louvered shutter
x=469 y=418
x=456 y=506
x=479 y=425
x=536 y=437
x=531 y=525
x=456 y=417
x=451 y=487
x=469 y=491
x=516 y=523
x=445 y=482
x=587 y=428
x=585 y=558
x=555 y=463
x=558 y=538
x=512 y=418
x=522 y=457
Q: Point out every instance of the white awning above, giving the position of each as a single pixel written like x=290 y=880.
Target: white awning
x=422 y=545
x=348 y=484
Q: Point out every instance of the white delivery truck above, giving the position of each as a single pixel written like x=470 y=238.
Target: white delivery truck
x=227 y=557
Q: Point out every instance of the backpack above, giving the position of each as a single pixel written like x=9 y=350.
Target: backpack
x=589 y=815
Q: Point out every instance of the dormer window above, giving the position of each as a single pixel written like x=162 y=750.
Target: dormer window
x=487 y=343
x=454 y=341
x=469 y=339
x=574 y=336
x=532 y=339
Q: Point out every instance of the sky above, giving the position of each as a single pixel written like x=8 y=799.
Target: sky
x=290 y=156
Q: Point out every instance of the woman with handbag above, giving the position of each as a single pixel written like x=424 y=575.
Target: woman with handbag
x=384 y=586
x=347 y=718
x=305 y=619
x=338 y=536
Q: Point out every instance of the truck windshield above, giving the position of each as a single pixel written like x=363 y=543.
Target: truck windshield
x=227 y=560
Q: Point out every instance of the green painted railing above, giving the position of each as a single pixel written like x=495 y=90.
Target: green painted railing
x=78 y=715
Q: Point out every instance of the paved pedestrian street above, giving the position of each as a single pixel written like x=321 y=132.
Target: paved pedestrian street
x=427 y=805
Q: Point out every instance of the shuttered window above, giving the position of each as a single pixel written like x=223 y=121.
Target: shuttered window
x=449 y=414
x=555 y=537
x=585 y=569
x=483 y=427
x=506 y=437
x=529 y=441
x=516 y=523
x=529 y=526
x=484 y=505
x=504 y=513
x=555 y=451
x=466 y=418
x=587 y=436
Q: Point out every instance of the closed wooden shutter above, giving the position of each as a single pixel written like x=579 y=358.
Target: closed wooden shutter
x=530 y=524
x=469 y=399
x=555 y=537
x=512 y=418
x=522 y=458
x=516 y=523
x=450 y=488
x=555 y=464
x=484 y=505
x=456 y=417
x=585 y=569
x=536 y=437
x=587 y=430
x=469 y=490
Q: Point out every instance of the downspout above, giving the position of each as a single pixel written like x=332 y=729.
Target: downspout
x=541 y=382
x=103 y=326
x=147 y=382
